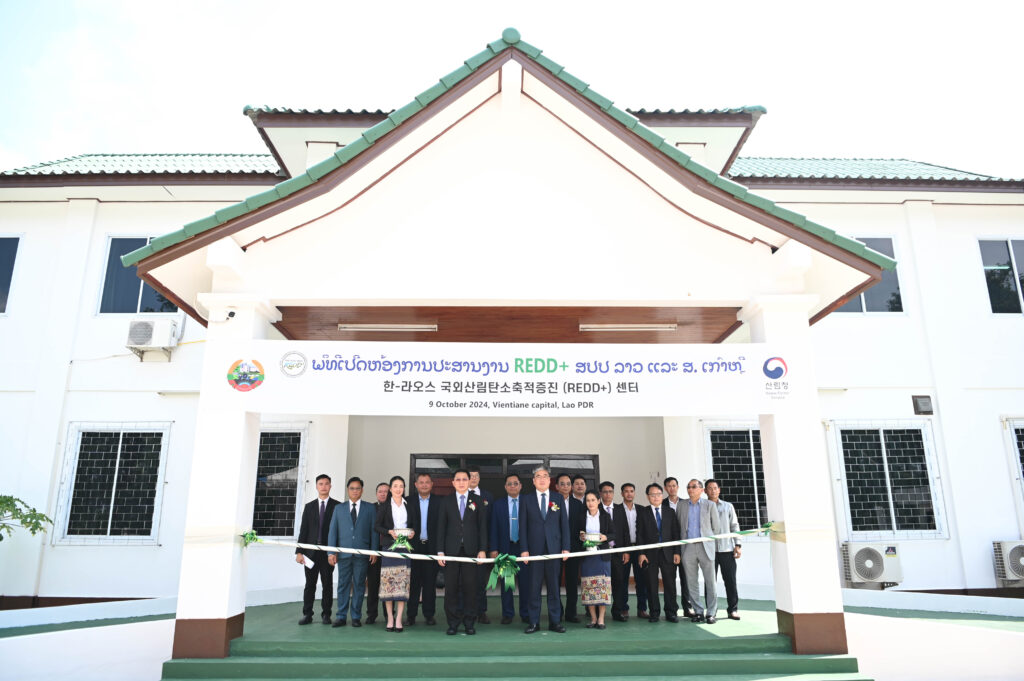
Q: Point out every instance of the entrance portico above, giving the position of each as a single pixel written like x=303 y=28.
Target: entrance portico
x=510 y=204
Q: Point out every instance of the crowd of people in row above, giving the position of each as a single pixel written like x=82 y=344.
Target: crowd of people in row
x=472 y=523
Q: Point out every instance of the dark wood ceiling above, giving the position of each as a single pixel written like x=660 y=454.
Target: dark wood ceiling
x=510 y=324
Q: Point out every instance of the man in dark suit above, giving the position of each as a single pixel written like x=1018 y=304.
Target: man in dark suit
x=620 y=535
x=316 y=522
x=373 y=604
x=657 y=523
x=507 y=529
x=546 y=532
x=575 y=512
x=352 y=528
x=424 y=572
x=671 y=485
x=461 y=531
x=631 y=561
x=485 y=569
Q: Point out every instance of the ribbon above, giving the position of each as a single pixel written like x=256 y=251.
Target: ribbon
x=250 y=537
x=401 y=542
x=588 y=544
x=506 y=568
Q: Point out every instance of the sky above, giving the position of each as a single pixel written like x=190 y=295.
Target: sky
x=930 y=81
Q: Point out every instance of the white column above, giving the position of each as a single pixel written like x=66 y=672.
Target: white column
x=211 y=590
x=808 y=596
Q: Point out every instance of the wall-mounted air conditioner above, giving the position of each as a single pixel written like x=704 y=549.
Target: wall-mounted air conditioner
x=1009 y=560
x=152 y=334
x=872 y=563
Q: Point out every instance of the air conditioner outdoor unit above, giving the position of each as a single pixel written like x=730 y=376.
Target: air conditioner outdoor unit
x=1009 y=559
x=872 y=563
x=152 y=334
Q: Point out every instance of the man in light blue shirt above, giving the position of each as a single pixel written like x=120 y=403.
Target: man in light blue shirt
x=698 y=519
x=505 y=532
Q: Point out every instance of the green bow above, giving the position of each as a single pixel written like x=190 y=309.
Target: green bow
x=250 y=537
x=401 y=543
x=505 y=567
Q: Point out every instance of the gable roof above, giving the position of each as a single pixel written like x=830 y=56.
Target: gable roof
x=764 y=171
x=510 y=40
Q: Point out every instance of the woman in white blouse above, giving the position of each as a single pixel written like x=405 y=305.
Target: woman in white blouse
x=393 y=515
x=596 y=571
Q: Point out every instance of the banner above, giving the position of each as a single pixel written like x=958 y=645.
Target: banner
x=504 y=379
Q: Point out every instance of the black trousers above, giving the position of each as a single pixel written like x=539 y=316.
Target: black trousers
x=684 y=591
x=373 y=604
x=460 y=584
x=572 y=587
x=483 y=572
x=726 y=562
x=324 y=572
x=423 y=582
x=661 y=566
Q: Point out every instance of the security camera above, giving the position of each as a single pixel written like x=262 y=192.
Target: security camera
x=231 y=313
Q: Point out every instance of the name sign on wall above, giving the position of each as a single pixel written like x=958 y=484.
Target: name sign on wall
x=503 y=379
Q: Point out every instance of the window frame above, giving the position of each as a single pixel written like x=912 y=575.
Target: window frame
x=931 y=462
x=302 y=427
x=860 y=296
x=1014 y=267
x=1013 y=458
x=142 y=283
x=18 y=257
x=69 y=471
x=747 y=426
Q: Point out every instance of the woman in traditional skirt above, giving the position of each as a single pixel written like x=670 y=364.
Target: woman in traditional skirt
x=394 y=514
x=596 y=571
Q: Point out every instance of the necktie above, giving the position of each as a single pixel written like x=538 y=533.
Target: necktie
x=657 y=515
x=544 y=505
x=353 y=506
x=462 y=506
x=513 y=530
x=323 y=507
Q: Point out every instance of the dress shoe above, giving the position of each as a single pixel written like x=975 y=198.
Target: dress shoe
x=600 y=626
x=308 y=619
x=572 y=618
x=618 y=618
x=557 y=628
x=326 y=619
x=653 y=618
x=341 y=623
x=734 y=615
x=483 y=618
x=389 y=628
x=452 y=631
x=642 y=614
x=710 y=620
x=398 y=630
x=470 y=630
x=371 y=619
x=689 y=613
x=697 y=619
x=591 y=625
x=532 y=629
x=671 y=618
x=356 y=623
x=506 y=620
x=430 y=621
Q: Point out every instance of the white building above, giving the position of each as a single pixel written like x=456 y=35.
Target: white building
x=502 y=216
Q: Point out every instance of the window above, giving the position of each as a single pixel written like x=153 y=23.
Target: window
x=8 y=252
x=277 y=503
x=883 y=296
x=123 y=291
x=890 y=483
x=114 y=486
x=1002 y=262
x=736 y=462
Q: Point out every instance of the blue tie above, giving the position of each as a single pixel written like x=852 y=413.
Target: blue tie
x=543 y=505
x=657 y=514
x=513 y=530
x=462 y=506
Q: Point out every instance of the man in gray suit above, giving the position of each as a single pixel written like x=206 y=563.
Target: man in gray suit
x=352 y=528
x=697 y=518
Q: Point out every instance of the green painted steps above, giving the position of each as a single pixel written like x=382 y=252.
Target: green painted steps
x=514 y=644
x=675 y=677
x=398 y=665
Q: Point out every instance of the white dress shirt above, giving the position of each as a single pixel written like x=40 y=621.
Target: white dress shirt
x=631 y=522
x=400 y=514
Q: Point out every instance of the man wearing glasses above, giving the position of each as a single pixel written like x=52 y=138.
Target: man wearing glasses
x=655 y=524
x=546 y=531
x=698 y=518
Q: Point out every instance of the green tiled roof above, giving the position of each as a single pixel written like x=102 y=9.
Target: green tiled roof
x=734 y=110
x=286 y=110
x=850 y=169
x=510 y=39
x=134 y=164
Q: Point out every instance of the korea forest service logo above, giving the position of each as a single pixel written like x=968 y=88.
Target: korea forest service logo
x=246 y=375
x=775 y=368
